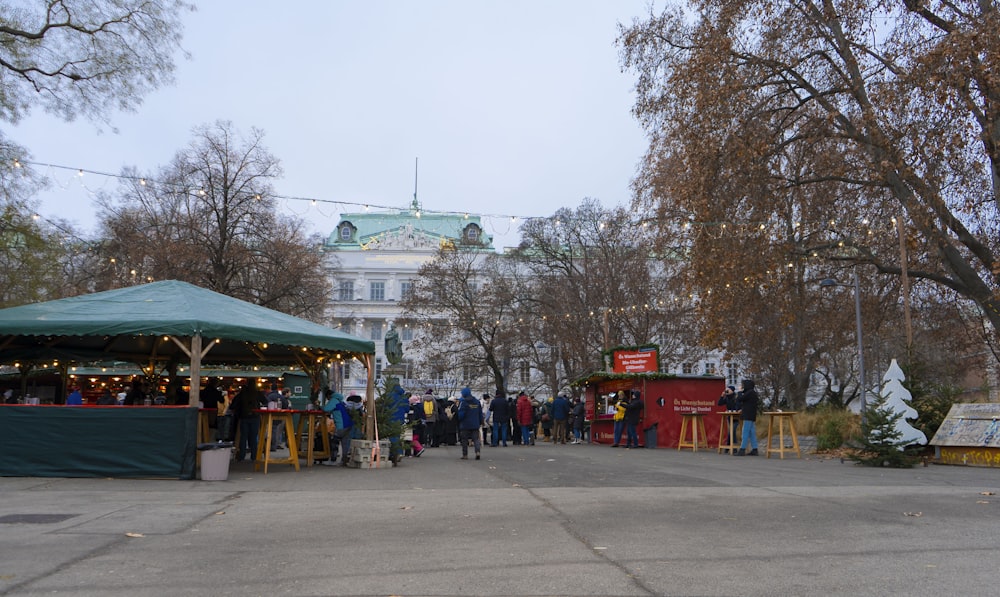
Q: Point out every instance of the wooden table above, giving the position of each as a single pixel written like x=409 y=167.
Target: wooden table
x=727 y=431
x=264 y=457
x=315 y=422
x=782 y=418
x=205 y=416
x=699 y=438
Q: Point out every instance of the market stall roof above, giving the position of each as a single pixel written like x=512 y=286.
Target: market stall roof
x=156 y=322
x=600 y=376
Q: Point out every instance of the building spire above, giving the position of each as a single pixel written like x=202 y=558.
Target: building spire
x=416 y=171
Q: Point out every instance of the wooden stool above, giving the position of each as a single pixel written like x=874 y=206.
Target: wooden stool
x=267 y=417
x=696 y=422
x=782 y=417
x=727 y=431
x=315 y=422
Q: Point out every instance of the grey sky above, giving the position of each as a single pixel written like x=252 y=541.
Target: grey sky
x=513 y=108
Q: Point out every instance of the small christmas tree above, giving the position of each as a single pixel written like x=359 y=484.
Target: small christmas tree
x=897 y=400
x=881 y=443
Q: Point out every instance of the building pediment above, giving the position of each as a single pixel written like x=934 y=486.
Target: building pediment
x=401 y=239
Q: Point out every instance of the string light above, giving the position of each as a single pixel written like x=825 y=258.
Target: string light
x=687 y=224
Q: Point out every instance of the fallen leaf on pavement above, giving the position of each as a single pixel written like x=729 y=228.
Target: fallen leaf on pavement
x=134 y=535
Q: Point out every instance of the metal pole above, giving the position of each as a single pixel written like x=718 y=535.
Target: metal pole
x=906 y=287
x=861 y=345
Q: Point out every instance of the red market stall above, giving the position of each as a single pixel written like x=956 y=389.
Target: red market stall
x=665 y=397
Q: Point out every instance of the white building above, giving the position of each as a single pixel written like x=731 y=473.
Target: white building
x=374 y=261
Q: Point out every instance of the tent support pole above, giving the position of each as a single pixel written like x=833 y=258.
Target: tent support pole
x=195 y=353
x=194 y=396
x=370 y=398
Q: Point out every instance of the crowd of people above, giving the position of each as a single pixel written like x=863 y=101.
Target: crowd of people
x=498 y=421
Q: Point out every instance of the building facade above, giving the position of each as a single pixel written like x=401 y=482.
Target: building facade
x=373 y=260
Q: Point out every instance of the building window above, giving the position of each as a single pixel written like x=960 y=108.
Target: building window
x=406 y=334
x=470 y=373
x=687 y=368
x=378 y=368
x=709 y=368
x=377 y=291
x=405 y=289
x=345 y=233
x=376 y=331
x=472 y=234
x=732 y=373
x=525 y=373
x=345 y=290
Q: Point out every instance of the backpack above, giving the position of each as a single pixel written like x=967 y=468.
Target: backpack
x=428 y=408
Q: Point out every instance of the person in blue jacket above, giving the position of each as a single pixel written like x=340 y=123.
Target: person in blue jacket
x=560 y=417
x=342 y=423
x=470 y=419
x=75 y=398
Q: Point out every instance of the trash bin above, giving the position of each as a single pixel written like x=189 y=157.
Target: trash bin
x=651 y=435
x=215 y=460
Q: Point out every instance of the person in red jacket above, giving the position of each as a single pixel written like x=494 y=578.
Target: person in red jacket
x=525 y=417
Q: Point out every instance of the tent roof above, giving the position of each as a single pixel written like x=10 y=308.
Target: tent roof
x=135 y=324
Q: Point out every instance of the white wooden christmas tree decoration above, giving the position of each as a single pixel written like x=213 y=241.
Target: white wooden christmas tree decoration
x=897 y=400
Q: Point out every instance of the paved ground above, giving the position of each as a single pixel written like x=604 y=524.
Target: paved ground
x=541 y=520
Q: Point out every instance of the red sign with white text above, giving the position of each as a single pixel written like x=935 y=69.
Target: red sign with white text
x=634 y=361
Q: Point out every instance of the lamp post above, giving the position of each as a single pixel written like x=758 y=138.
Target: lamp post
x=827 y=283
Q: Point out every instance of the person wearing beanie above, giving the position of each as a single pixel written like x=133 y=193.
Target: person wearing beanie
x=748 y=416
x=470 y=419
x=432 y=415
x=342 y=422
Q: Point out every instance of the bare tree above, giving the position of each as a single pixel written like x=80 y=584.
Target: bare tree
x=209 y=219
x=463 y=305
x=595 y=282
x=71 y=58
x=787 y=139
x=85 y=57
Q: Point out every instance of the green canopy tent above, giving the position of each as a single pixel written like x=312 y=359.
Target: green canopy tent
x=153 y=323
x=171 y=321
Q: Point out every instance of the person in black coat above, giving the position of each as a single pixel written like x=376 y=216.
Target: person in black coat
x=633 y=412
x=731 y=402
x=244 y=405
x=748 y=415
x=579 y=414
x=501 y=419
